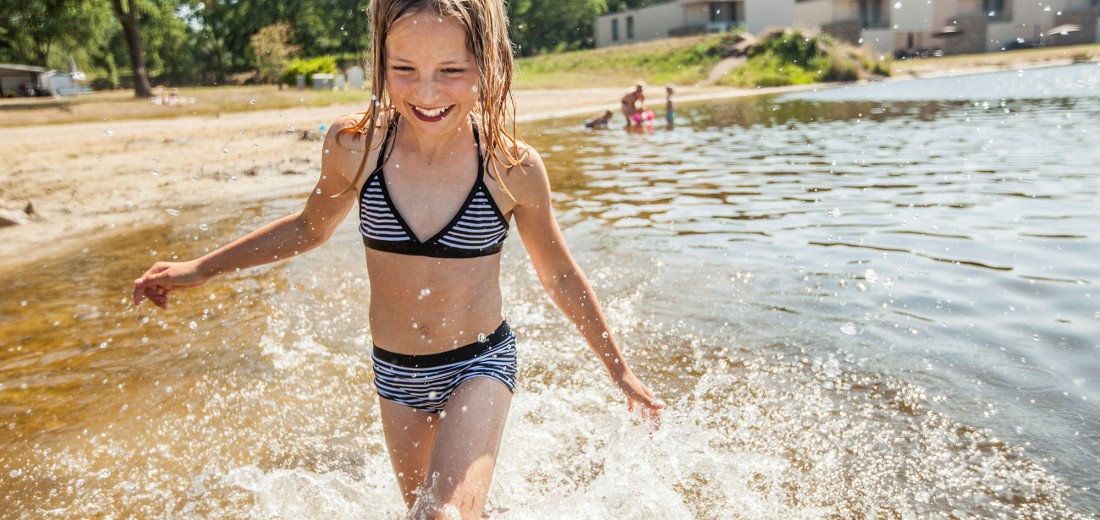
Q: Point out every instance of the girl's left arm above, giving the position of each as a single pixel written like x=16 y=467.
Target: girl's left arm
x=565 y=282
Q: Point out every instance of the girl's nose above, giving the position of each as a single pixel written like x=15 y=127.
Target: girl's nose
x=426 y=90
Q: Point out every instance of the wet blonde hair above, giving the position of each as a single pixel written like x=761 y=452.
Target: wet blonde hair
x=486 y=26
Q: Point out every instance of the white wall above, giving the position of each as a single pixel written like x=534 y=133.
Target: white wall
x=911 y=15
x=814 y=13
x=650 y=23
x=878 y=41
x=762 y=14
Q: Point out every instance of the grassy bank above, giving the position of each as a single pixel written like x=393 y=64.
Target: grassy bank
x=791 y=57
x=684 y=60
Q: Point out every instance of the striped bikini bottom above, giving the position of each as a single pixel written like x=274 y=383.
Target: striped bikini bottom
x=427 y=382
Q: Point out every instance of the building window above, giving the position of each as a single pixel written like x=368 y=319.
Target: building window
x=722 y=12
x=997 y=10
x=874 y=14
x=630 y=27
x=615 y=30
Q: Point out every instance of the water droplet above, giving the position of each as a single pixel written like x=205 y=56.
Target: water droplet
x=193 y=326
x=605 y=335
x=327 y=151
x=173 y=212
x=849 y=329
x=290 y=129
x=317 y=191
x=302 y=100
x=225 y=150
x=108 y=133
x=870 y=275
x=424 y=293
x=431 y=395
x=15 y=473
x=203 y=227
x=252 y=102
x=481 y=337
x=415 y=326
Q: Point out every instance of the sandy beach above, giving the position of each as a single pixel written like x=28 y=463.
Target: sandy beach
x=89 y=180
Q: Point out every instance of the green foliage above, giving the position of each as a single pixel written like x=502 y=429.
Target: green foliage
x=309 y=67
x=271 y=49
x=43 y=32
x=542 y=26
x=790 y=57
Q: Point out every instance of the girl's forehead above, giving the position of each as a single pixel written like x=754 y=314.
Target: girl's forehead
x=426 y=31
x=425 y=21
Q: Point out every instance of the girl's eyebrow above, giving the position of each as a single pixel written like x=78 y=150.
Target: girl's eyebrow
x=458 y=61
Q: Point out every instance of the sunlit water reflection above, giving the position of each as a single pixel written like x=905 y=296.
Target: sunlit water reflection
x=876 y=300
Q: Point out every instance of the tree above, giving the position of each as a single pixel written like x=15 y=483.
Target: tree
x=29 y=31
x=540 y=26
x=272 y=49
x=131 y=30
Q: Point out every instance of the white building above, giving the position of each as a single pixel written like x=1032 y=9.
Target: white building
x=955 y=26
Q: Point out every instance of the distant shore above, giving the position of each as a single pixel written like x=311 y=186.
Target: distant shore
x=119 y=174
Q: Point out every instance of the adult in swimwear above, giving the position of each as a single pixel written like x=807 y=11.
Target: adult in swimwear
x=438 y=178
x=633 y=101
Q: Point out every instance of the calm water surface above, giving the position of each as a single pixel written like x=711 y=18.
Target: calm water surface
x=873 y=301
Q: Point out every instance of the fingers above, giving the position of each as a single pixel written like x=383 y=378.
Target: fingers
x=157 y=295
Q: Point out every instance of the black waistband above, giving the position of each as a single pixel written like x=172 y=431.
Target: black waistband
x=447 y=357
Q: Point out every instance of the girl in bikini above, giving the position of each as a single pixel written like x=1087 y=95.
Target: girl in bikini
x=438 y=178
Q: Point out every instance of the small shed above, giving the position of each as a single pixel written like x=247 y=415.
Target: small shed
x=15 y=79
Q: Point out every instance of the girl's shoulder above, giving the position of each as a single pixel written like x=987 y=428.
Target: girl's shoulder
x=516 y=154
x=350 y=131
x=347 y=143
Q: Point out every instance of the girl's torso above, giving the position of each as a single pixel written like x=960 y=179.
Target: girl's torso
x=433 y=235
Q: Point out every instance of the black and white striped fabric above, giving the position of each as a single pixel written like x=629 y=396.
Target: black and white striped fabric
x=479 y=228
x=427 y=382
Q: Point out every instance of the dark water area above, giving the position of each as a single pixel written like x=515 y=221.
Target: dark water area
x=870 y=301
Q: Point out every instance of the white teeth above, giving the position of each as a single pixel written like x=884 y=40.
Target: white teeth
x=430 y=113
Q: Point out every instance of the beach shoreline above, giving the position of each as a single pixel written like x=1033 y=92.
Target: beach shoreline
x=89 y=180
x=86 y=181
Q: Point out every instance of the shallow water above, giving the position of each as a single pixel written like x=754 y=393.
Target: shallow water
x=869 y=301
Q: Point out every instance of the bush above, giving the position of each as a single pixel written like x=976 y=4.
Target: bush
x=309 y=67
x=789 y=57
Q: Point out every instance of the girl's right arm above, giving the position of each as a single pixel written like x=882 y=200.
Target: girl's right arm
x=286 y=237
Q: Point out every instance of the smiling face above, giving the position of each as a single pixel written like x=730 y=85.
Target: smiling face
x=431 y=76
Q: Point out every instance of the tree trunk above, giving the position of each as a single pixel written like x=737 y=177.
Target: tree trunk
x=132 y=32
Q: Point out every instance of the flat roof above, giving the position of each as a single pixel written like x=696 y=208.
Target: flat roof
x=9 y=67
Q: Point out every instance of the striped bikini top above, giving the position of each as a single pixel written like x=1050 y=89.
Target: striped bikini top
x=479 y=228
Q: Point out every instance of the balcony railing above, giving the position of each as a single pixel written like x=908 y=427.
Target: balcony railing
x=875 y=23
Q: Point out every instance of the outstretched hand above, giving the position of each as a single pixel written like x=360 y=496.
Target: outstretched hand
x=163 y=278
x=638 y=395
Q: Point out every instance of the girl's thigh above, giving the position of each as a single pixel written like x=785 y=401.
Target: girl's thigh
x=410 y=436
x=466 y=445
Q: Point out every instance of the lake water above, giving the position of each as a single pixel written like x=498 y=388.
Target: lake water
x=875 y=301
